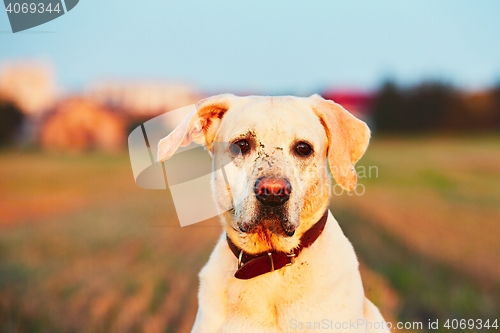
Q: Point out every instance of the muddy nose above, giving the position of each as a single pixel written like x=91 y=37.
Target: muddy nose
x=272 y=191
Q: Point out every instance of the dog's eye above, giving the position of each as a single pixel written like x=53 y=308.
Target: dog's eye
x=242 y=146
x=303 y=149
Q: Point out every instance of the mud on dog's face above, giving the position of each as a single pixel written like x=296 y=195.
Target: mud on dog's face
x=278 y=147
x=277 y=185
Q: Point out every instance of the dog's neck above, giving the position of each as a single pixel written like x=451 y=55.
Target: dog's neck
x=252 y=265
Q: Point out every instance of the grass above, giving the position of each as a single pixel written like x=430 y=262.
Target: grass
x=429 y=224
x=83 y=249
x=98 y=254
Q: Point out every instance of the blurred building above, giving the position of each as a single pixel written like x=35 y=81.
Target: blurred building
x=143 y=100
x=80 y=124
x=29 y=85
x=29 y=88
x=356 y=102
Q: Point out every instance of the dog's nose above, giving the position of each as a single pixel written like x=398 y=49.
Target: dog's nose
x=272 y=191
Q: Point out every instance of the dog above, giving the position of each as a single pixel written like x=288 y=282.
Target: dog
x=282 y=263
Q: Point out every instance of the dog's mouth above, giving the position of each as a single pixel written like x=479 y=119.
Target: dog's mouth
x=270 y=219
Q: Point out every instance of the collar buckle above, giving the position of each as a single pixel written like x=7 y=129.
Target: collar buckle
x=240 y=256
x=291 y=257
x=271 y=262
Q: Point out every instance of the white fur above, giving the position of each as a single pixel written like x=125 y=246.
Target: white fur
x=322 y=290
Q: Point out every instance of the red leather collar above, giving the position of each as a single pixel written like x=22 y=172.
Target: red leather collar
x=252 y=265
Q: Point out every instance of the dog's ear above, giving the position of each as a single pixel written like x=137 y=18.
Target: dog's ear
x=348 y=138
x=200 y=126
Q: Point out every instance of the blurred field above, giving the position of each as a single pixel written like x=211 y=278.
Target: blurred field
x=83 y=249
x=430 y=224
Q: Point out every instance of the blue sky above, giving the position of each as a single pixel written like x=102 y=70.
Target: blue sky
x=268 y=46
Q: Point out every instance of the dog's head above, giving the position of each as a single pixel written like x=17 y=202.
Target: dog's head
x=278 y=185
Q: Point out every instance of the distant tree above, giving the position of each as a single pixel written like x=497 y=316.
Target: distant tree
x=495 y=93
x=428 y=104
x=388 y=107
x=11 y=119
x=472 y=111
x=421 y=108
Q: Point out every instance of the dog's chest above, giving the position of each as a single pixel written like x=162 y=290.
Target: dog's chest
x=267 y=300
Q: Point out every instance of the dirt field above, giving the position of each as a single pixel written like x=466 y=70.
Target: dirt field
x=83 y=249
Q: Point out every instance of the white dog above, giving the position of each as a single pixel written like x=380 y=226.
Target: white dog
x=282 y=263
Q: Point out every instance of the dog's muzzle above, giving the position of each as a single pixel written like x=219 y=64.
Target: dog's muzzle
x=272 y=191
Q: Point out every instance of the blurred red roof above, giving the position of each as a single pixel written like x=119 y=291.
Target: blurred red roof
x=357 y=102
